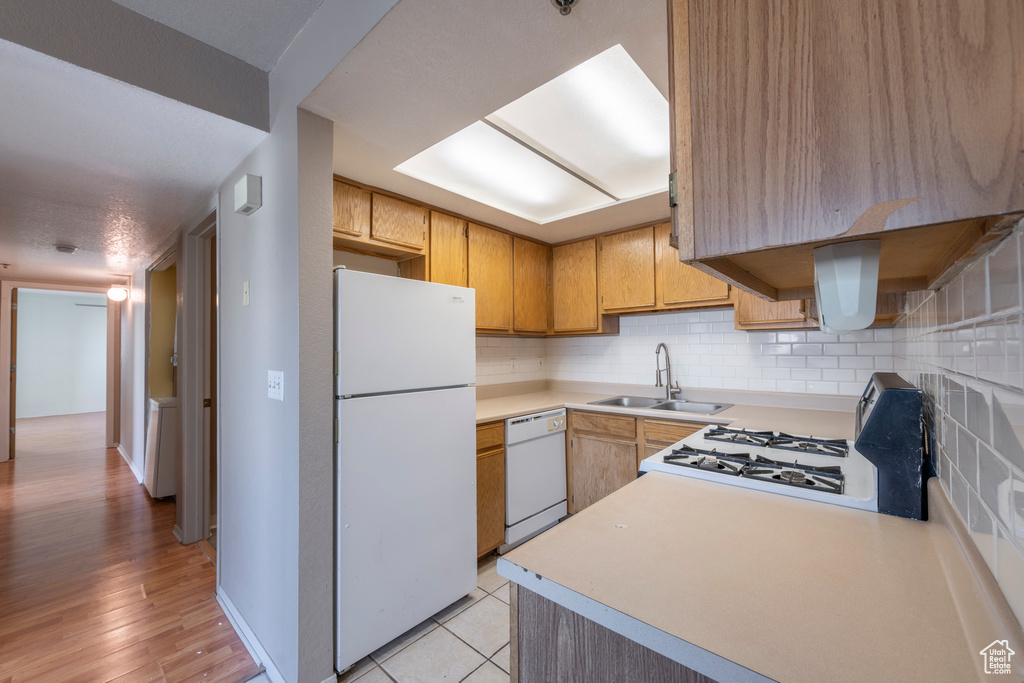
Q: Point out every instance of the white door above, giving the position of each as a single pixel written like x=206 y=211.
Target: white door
x=406 y=513
x=395 y=334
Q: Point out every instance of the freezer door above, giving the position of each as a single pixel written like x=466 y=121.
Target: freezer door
x=394 y=334
x=406 y=513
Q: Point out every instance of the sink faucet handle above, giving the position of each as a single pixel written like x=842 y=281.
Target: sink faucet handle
x=675 y=391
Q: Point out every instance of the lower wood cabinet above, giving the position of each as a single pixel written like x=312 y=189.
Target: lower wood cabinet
x=490 y=486
x=605 y=450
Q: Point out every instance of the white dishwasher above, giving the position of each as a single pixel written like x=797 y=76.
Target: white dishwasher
x=534 y=475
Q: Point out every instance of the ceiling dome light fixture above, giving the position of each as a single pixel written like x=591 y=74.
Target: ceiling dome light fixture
x=564 y=6
x=117 y=293
x=65 y=248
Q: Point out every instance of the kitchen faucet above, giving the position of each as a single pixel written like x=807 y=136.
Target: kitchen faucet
x=669 y=391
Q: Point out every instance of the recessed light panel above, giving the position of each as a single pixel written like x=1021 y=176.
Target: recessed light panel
x=485 y=165
x=597 y=134
x=604 y=119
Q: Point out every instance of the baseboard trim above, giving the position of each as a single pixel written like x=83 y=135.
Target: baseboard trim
x=131 y=465
x=248 y=638
x=177 y=534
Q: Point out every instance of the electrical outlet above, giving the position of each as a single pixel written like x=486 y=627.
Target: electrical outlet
x=540 y=362
x=245 y=293
x=513 y=367
x=275 y=384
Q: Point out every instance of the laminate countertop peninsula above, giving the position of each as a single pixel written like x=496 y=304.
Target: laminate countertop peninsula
x=837 y=424
x=744 y=585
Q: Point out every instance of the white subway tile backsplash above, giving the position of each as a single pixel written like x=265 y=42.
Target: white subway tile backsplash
x=962 y=345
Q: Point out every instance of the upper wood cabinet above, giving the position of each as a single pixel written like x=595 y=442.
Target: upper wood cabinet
x=798 y=123
x=627 y=269
x=574 y=287
x=531 y=264
x=680 y=285
x=368 y=222
x=398 y=222
x=351 y=210
x=449 y=246
x=490 y=274
x=754 y=313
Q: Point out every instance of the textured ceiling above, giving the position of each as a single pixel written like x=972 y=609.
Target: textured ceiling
x=255 y=31
x=105 y=166
x=432 y=67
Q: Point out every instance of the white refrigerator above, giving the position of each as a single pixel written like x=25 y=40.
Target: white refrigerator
x=405 y=474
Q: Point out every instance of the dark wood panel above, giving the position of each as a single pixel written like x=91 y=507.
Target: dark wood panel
x=556 y=644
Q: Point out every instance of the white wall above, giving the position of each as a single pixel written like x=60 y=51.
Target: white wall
x=61 y=361
x=133 y=376
x=275 y=527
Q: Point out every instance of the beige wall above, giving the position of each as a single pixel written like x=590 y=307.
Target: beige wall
x=163 y=297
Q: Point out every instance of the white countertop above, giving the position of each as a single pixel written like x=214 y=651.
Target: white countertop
x=730 y=581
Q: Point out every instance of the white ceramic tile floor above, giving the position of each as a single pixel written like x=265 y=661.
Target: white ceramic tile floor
x=468 y=641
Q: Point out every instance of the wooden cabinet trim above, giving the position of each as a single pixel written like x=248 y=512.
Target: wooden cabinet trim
x=531 y=264
x=626 y=266
x=395 y=221
x=604 y=424
x=489 y=436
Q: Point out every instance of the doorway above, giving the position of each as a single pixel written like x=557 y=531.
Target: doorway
x=63 y=348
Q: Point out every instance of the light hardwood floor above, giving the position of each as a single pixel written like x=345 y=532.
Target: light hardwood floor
x=93 y=585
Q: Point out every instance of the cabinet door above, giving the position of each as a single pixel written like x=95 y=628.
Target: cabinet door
x=679 y=284
x=490 y=501
x=753 y=312
x=530 y=263
x=351 y=210
x=490 y=274
x=627 y=269
x=599 y=467
x=398 y=222
x=859 y=130
x=574 y=286
x=448 y=249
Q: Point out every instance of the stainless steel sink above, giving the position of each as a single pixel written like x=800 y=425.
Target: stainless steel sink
x=683 y=406
x=627 y=402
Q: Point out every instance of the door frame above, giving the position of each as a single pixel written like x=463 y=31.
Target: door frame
x=113 y=403
x=194 y=487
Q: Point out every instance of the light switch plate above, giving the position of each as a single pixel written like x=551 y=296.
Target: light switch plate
x=275 y=384
x=245 y=293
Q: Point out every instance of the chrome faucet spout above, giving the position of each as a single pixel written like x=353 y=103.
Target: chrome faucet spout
x=668 y=371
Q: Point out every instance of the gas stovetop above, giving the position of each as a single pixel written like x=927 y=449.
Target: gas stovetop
x=825 y=470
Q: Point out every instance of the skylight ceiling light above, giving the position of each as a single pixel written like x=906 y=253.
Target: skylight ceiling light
x=597 y=134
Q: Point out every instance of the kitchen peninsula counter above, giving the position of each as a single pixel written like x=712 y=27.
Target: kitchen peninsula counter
x=744 y=585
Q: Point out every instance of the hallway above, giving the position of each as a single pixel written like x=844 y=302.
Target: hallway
x=93 y=585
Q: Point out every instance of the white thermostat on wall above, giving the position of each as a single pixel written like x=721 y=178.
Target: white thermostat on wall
x=248 y=194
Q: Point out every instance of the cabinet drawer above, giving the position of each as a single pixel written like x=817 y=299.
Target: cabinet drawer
x=490 y=436
x=668 y=431
x=607 y=425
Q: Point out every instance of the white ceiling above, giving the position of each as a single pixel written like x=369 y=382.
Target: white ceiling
x=108 y=167
x=255 y=31
x=432 y=67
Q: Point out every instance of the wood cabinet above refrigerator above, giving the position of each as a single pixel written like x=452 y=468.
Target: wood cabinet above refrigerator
x=799 y=123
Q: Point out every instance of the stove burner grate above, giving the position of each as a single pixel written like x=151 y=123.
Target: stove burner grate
x=767 y=439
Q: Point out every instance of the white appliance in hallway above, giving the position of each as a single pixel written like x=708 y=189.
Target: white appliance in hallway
x=535 y=491
x=405 y=497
